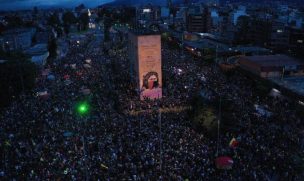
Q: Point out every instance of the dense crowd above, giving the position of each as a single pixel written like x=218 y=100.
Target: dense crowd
x=43 y=138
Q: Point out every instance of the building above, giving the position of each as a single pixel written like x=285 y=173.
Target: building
x=296 y=41
x=165 y=12
x=145 y=59
x=148 y=13
x=241 y=11
x=272 y=66
x=199 y=22
x=195 y=23
x=18 y=39
x=279 y=36
x=211 y=2
x=38 y=53
x=42 y=37
x=226 y=28
x=260 y=30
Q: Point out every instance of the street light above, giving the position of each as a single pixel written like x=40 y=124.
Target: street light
x=83 y=108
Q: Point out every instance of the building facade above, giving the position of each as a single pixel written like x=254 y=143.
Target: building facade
x=272 y=66
x=145 y=59
x=18 y=39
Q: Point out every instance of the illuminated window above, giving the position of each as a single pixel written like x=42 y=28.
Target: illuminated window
x=146 y=10
x=279 y=31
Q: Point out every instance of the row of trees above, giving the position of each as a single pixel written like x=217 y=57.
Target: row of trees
x=110 y=16
x=68 y=19
x=17 y=75
x=206 y=113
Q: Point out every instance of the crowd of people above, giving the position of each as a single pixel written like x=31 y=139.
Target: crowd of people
x=43 y=137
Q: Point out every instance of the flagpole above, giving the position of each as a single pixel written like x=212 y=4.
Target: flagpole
x=160 y=140
x=218 y=126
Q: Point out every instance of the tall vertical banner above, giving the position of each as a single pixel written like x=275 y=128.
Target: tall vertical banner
x=149 y=65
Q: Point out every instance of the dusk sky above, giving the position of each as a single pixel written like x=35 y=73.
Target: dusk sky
x=25 y=4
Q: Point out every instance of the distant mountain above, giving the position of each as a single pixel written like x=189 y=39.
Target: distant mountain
x=143 y=2
x=164 y=2
x=263 y=1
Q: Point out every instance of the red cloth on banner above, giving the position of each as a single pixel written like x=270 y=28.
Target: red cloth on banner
x=224 y=162
x=78 y=73
x=233 y=143
x=66 y=77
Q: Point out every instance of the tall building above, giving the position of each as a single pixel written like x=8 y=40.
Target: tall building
x=148 y=13
x=199 y=22
x=145 y=59
x=195 y=23
x=279 y=36
x=186 y=2
x=260 y=31
x=296 y=41
x=169 y=4
x=207 y=19
x=226 y=28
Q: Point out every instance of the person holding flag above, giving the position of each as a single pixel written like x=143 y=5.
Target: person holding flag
x=233 y=143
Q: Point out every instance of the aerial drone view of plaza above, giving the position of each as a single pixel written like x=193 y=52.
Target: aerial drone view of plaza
x=144 y=90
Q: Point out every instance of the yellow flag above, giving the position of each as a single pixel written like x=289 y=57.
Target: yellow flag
x=104 y=166
x=7 y=143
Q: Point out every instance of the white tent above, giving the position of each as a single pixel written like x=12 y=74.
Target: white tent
x=73 y=66
x=85 y=91
x=88 y=61
x=87 y=65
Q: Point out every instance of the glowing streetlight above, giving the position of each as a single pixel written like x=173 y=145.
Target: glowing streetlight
x=83 y=108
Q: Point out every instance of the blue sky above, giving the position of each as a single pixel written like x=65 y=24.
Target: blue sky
x=26 y=4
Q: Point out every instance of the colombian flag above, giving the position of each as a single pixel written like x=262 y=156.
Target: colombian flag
x=233 y=143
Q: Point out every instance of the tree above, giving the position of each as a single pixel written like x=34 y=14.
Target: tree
x=16 y=75
x=66 y=29
x=107 y=25
x=129 y=13
x=69 y=18
x=172 y=27
x=104 y=12
x=53 y=20
x=2 y=28
x=13 y=21
x=243 y=28
x=35 y=10
x=206 y=113
x=84 y=21
x=59 y=31
x=52 y=47
x=80 y=7
x=34 y=40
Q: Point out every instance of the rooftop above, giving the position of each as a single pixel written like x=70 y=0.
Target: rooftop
x=139 y=32
x=246 y=49
x=274 y=60
x=37 y=49
x=295 y=84
x=18 y=31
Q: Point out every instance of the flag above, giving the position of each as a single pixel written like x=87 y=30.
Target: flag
x=233 y=143
x=7 y=143
x=104 y=166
